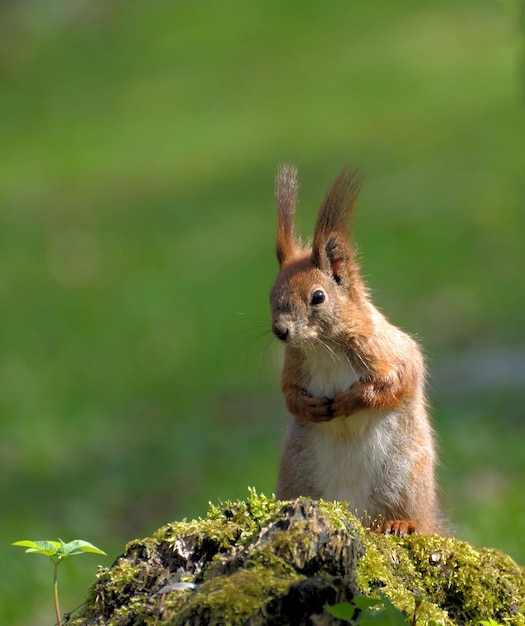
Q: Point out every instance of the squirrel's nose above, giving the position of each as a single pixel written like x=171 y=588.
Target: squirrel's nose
x=280 y=331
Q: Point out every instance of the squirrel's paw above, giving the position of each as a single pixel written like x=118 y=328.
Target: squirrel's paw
x=397 y=527
x=343 y=404
x=315 y=409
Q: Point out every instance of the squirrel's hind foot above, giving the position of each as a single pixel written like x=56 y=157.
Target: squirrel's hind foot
x=397 y=527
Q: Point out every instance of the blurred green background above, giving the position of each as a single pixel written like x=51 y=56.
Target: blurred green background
x=139 y=142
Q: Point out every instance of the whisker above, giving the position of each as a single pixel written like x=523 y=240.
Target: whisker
x=269 y=342
x=259 y=338
x=360 y=359
x=342 y=357
x=251 y=329
x=335 y=356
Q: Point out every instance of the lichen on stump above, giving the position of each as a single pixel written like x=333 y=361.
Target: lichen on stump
x=268 y=562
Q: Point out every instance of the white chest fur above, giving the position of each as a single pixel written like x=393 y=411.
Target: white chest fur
x=346 y=452
x=329 y=372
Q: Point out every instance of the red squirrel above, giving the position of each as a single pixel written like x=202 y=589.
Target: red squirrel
x=353 y=382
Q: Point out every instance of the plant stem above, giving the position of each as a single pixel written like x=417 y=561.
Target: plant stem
x=55 y=590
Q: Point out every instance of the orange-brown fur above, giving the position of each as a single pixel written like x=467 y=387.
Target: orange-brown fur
x=353 y=382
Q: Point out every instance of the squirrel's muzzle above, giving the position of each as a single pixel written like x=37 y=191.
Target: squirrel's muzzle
x=280 y=330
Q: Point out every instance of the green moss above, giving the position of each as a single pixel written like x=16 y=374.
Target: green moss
x=387 y=567
x=339 y=515
x=255 y=560
x=226 y=524
x=234 y=598
x=473 y=584
x=457 y=583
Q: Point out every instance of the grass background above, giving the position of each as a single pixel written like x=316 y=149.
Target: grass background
x=139 y=142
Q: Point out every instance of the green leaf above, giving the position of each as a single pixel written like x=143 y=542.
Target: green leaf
x=59 y=549
x=395 y=616
x=48 y=548
x=364 y=603
x=381 y=617
x=379 y=612
x=78 y=546
x=343 y=610
x=373 y=612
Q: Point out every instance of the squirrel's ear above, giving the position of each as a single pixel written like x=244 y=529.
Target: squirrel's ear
x=332 y=251
x=286 y=188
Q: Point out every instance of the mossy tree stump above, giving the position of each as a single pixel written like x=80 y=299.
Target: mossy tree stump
x=268 y=562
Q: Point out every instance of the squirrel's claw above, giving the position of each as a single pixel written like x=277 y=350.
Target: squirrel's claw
x=397 y=527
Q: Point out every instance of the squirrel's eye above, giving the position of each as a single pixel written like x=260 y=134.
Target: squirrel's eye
x=318 y=297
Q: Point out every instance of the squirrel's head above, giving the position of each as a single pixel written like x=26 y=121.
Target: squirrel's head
x=318 y=292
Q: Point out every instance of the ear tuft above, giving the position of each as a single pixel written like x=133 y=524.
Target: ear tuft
x=286 y=188
x=338 y=204
x=332 y=250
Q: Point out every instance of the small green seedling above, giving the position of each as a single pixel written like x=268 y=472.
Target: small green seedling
x=57 y=551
